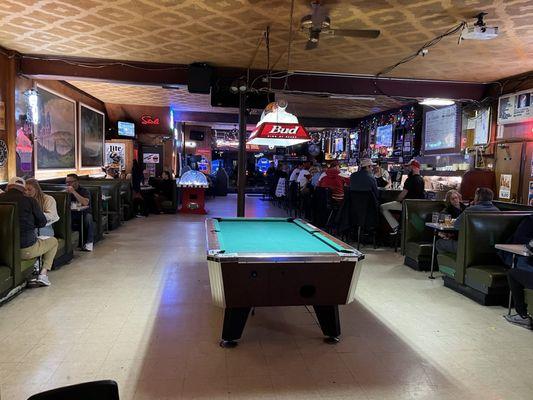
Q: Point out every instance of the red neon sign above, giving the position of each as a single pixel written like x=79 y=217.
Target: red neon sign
x=148 y=120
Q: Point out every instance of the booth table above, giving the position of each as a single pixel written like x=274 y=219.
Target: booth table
x=437 y=227
x=264 y=262
x=515 y=250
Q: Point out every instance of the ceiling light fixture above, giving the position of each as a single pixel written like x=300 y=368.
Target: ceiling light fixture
x=436 y=102
x=349 y=97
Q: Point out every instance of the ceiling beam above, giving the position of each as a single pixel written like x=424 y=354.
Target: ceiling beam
x=228 y=118
x=143 y=73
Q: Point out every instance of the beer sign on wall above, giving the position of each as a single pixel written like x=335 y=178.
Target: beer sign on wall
x=516 y=107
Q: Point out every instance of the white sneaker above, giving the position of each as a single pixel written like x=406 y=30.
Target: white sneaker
x=88 y=247
x=43 y=280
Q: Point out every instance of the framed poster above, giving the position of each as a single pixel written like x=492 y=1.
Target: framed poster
x=151 y=158
x=115 y=154
x=505 y=186
x=55 y=134
x=91 y=137
x=516 y=107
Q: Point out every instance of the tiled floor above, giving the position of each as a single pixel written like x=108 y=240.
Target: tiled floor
x=138 y=310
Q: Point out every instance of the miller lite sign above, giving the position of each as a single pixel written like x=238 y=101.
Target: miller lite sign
x=279 y=134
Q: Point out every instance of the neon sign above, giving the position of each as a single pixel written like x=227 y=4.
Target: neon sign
x=149 y=120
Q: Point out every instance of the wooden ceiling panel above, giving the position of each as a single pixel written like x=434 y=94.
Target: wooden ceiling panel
x=226 y=34
x=181 y=99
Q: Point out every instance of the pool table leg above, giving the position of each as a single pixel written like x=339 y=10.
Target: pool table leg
x=328 y=317
x=234 y=322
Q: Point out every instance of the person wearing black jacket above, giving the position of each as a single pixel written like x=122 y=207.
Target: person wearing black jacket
x=30 y=218
x=164 y=190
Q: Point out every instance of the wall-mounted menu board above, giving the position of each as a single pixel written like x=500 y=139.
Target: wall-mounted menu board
x=442 y=130
x=516 y=107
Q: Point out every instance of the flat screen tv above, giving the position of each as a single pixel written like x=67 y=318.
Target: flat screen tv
x=339 y=145
x=442 y=129
x=126 y=129
x=384 y=136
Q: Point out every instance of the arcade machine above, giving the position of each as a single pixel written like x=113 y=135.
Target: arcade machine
x=193 y=185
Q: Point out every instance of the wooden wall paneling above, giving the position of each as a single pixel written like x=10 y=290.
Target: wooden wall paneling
x=508 y=161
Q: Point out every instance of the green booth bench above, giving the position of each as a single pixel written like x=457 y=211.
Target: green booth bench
x=108 y=187
x=62 y=230
x=13 y=271
x=476 y=271
x=417 y=239
x=100 y=220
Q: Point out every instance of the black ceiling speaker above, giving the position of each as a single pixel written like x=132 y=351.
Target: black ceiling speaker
x=199 y=78
x=223 y=96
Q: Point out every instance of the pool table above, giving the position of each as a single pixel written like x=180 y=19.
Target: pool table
x=264 y=262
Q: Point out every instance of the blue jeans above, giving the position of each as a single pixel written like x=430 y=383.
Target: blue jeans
x=88 y=225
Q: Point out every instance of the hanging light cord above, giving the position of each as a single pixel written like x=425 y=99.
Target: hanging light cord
x=289 y=46
x=422 y=51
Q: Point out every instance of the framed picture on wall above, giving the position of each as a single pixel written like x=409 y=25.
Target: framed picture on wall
x=91 y=137
x=55 y=133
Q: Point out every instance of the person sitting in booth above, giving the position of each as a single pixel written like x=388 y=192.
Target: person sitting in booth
x=382 y=177
x=164 y=190
x=31 y=217
x=520 y=279
x=334 y=182
x=48 y=206
x=482 y=202
x=413 y=188
x=454 y=205
x=81 y=196
x=363 y=180
x=522 y=235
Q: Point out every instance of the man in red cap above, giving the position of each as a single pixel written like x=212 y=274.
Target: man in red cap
x=413 y=188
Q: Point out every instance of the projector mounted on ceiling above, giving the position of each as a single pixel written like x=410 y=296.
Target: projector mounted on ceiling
x=480 y=30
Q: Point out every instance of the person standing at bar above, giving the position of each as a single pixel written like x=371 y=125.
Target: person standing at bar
x=413 y=188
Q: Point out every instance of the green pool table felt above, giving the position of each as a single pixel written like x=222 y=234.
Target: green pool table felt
x=274 y=235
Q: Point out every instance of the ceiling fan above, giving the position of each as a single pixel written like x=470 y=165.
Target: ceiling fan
x=319 y=23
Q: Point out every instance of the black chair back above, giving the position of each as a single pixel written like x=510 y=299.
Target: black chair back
x=364 y=210
x=321 y=205
x=98 y=390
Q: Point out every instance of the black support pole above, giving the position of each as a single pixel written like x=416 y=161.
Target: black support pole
x=241 y=178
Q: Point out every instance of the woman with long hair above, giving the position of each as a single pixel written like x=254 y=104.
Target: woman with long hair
x=454 y=205
x=46 y=202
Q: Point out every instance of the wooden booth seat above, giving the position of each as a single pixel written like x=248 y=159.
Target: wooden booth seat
x=417 y=239
x=477 y=271
x=13 y=271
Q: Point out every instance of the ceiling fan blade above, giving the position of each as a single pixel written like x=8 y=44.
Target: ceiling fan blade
x=310 y=45
x=356 y=33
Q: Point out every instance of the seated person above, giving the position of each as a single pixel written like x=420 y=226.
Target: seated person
x=30 y=218
x=82 y=196
x=454 y=205
x=522 y=235
x=334 y=182
x=302 y=175
x=363 y=180
x=413 y=188
x=382 y=176
x=295 y=172
x=482 y=202
x=47 y=204
x=164 y=190
x=520 y=279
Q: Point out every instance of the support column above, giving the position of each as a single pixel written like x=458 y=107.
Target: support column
x=241 y=178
